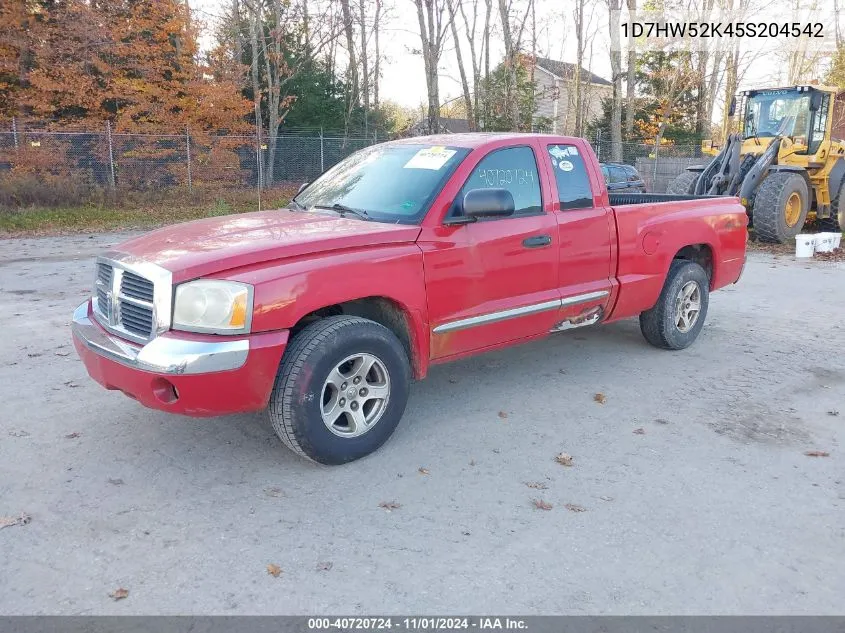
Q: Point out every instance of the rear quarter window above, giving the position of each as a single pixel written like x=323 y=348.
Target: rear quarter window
x=573 y=183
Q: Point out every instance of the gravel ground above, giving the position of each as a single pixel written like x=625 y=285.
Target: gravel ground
x=697 y=493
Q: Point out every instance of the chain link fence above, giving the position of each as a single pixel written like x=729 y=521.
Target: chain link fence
x=658 y=166
x=62 y=168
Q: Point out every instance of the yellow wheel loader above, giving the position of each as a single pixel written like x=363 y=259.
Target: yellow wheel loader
x=788 y=162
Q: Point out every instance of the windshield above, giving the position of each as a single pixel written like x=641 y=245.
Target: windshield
x=388 y=183
x=777 y=113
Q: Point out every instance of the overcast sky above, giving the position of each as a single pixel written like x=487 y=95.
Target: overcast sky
x=403 y=78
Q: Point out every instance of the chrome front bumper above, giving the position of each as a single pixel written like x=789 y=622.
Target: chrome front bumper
x=164 y=354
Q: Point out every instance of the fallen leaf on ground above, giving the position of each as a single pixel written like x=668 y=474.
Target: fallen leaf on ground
x=537 y=485
x=70 y=384
x=119 y=594
x=817 y=454
x=662 y=421
x=833 y=412
x=564 y=459
x=22 y=519
x=503 y=414
x=73 y=436
x=639 y=431
x=472 y=462
x=574 y=507
x=604 y=498
x=116 y=482
x=19 y=433
x=453 y=380
x=274 y=570
x=274 y=492
x=422 y=471
x=326 y=566
x=600 y=398
x=541 y=505
x=34 y=355
x=496 y=450
x=389 y=505
x=62 y=353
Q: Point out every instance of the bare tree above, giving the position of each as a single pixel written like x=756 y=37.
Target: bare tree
x=614 y=7
x=461 y=68
x=377 y=69
x=349 y=29
x=476 y=53
x=434 y=20
x=512 y=35
x=631 y=80
x=365 y=69
x=278 y=70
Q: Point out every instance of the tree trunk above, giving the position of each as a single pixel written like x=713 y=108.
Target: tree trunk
x=486 y=44
x=616 y=73
x=255 y=25
x=365 y=79
x=631 y=81
x=511 y=96
x=350 y=46
x=579 y=63
x=461 y=69
x=427 y=34
x=730 y=90
x=377 y=63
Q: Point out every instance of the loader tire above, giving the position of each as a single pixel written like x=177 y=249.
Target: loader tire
x=836 y=222
x=780 y=207
x=684 y=184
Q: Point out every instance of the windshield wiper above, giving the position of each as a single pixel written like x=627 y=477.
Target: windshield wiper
x=342 y=209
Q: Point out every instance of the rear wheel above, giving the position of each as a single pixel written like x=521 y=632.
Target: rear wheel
x=836 y=221
x=684 y=184
x=678 y=316
x=780 y=206
x=341 y=389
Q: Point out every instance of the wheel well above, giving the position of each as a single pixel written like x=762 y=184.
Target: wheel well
x=379 y=309
x=701 y=254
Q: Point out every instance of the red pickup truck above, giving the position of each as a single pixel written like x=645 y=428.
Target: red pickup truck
x=405 y=254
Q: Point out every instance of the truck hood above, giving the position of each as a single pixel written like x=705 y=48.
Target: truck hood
x=212 y=245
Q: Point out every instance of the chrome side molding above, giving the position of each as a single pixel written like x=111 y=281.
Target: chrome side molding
x=494 y=317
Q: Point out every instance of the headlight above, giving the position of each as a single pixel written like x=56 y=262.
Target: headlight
x=214 y=306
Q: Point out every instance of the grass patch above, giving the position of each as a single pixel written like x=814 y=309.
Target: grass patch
x=132 y=214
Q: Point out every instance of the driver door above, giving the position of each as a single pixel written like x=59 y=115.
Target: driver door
x=494 y=281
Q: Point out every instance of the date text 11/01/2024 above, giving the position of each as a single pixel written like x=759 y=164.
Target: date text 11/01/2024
x=417 y=624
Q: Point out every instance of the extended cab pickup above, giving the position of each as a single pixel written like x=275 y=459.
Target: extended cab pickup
x=405 y=254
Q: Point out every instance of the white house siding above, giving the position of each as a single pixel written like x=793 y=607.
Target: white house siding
x=562 y=109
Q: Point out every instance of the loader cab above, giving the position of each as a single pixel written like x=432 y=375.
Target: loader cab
x=801 y=114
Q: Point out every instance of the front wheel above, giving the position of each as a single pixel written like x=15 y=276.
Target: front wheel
x=678 y=316
x=341 y=389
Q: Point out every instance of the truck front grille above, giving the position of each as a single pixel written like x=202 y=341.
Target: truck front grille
x=124 y=302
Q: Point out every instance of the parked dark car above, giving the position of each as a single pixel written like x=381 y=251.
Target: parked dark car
x=622 y=178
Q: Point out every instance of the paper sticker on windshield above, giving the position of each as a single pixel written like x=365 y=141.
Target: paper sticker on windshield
x=430 y=158
x=565 y=165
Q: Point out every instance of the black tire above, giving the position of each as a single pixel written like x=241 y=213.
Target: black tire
x=658 y=324
x=836 y=221
x=296 y=401
x=769 y=210
x=684 y=184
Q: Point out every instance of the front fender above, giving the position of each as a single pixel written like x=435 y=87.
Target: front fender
x=288 y=290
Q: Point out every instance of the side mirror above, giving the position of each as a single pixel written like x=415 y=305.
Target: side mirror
x=301 y=187
x=732 y=107
x=488 y=203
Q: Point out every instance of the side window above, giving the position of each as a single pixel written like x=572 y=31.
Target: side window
x=573 y=184
x=511 y=168
x=633 y=176
x=617 y=174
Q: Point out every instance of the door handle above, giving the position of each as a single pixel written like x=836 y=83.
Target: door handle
x=537 y=241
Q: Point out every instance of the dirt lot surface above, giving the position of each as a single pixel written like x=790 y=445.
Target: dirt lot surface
x=696 y=491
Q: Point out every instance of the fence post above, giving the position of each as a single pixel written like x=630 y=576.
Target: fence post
x=258 y=154
x=598 y=144
x=111 y=156
x=188 y=148
x=15 y=132
x=322 y=154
